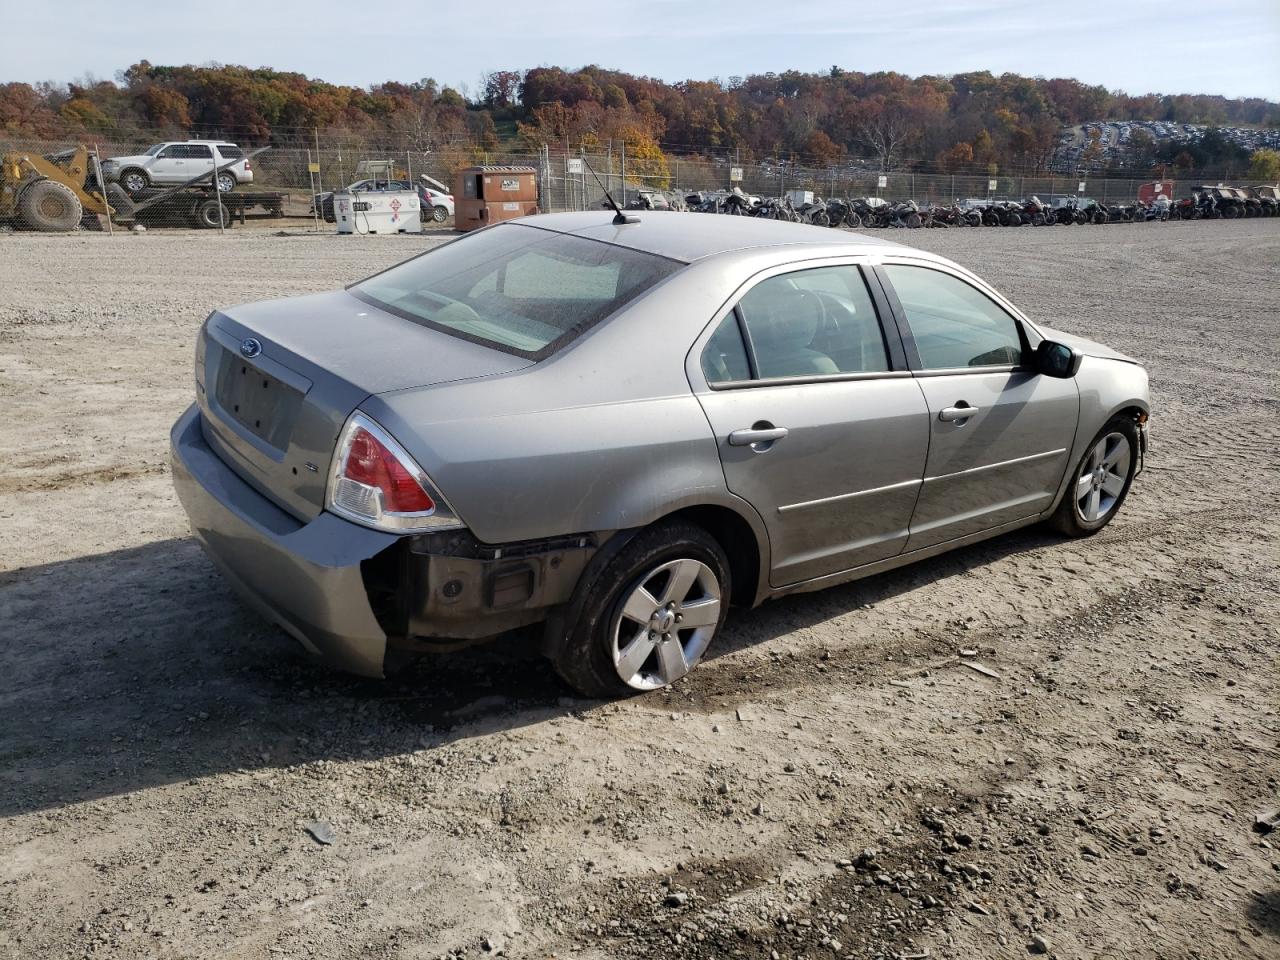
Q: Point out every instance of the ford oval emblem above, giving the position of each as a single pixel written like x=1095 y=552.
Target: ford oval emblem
x=249 y=347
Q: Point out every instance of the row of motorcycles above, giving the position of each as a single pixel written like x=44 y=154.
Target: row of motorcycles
x=876 y=212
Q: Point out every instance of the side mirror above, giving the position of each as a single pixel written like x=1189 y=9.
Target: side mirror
x=1057 y=360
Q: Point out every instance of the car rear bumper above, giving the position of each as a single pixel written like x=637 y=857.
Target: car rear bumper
x=306 y=577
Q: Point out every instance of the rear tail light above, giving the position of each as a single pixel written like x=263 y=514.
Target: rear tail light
x=375 y=482
x=248 y=165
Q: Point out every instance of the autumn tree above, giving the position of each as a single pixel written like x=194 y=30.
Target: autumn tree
x=1264 y=166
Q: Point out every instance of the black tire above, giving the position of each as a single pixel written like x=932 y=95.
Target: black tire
x=207 y=215
x=585 y=661
x=1230 y=212
x=1067 y=519
x=226 y=181
x=134 y=180
x=439 y=214
x=50 y=206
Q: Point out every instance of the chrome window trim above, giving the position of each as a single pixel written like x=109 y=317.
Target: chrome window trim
x=816 y=378
x=967 y=371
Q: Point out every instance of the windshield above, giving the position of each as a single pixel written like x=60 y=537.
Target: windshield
x=154 y=150
x=520 y=289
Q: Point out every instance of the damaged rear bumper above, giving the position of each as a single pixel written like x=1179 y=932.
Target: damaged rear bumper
x=347 y=592
x=305 y=577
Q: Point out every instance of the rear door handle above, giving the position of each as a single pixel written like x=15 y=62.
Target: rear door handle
x=960 y=412
x=749 y=438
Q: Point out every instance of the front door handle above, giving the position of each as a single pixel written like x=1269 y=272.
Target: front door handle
x=756 y=435
x=961 y=411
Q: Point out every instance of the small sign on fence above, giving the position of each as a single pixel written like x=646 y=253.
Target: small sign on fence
x=1080 y=189
x=735 y=174
x=991 y=184
x=882 y=181
x=313 y=168
x=575 y=165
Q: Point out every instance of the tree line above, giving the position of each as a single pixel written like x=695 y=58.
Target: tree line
x=956 y=123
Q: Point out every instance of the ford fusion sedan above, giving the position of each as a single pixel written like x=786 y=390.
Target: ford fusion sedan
x=618 y=430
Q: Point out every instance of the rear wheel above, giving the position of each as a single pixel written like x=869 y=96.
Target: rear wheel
x=1100 y=481
x=650 y=615
x=439 y=214
x=226 y=182
x=207 y=214
x=49 y=206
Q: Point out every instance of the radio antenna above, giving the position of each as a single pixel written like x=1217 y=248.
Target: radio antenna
x=619 y=218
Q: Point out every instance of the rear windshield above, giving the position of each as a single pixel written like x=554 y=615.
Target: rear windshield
x=520 y=289
x=230 y=151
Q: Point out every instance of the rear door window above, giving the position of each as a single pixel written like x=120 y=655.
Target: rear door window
x=814 y=322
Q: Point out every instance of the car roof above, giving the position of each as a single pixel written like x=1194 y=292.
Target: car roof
x=693 y=236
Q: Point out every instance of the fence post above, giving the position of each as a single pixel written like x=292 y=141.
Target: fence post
x=624 y=173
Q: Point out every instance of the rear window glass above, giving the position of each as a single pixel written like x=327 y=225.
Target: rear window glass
x=520 y=289
x=230 y=150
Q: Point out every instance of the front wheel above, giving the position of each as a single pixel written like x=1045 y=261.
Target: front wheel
x=1100 y=482
x=134 y=181
x=649 y=617
x=439 y=214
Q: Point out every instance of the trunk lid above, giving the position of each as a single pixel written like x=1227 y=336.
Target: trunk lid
x=276 y=381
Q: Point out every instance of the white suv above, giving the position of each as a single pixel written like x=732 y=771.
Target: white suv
x=167 y=164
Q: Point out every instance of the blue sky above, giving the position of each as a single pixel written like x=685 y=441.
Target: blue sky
x=1230 y=47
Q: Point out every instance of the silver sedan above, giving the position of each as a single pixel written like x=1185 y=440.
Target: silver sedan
x=618 y=429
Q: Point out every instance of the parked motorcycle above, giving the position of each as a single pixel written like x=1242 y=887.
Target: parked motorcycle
x=814 y=213
x=1095 y=212
x=840 y=213
x=1037 y=213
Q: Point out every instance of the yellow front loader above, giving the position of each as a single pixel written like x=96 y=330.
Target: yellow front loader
x=49 y=195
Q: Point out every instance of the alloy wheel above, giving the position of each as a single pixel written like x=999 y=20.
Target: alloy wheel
x=665 y=622
x=1103 y=477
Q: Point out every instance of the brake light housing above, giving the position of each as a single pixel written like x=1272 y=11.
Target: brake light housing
x=375 y=482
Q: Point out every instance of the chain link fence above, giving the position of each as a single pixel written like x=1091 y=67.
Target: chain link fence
x=287 y=176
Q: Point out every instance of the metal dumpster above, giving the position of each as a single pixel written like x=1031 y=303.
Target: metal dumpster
x=489 y=194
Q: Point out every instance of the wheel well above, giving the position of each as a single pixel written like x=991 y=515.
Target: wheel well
x=1133 y=412
x=737 y=539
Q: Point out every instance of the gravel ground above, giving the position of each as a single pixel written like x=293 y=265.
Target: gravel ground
x=833 y=783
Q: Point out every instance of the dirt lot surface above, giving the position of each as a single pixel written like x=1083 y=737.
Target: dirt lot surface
x=834 y=782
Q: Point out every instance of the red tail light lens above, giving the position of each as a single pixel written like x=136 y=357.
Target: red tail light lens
x=372 y=464
x=374 y=481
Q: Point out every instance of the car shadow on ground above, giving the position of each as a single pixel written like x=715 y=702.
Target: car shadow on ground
x=1263 y=912
x=137 y=668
